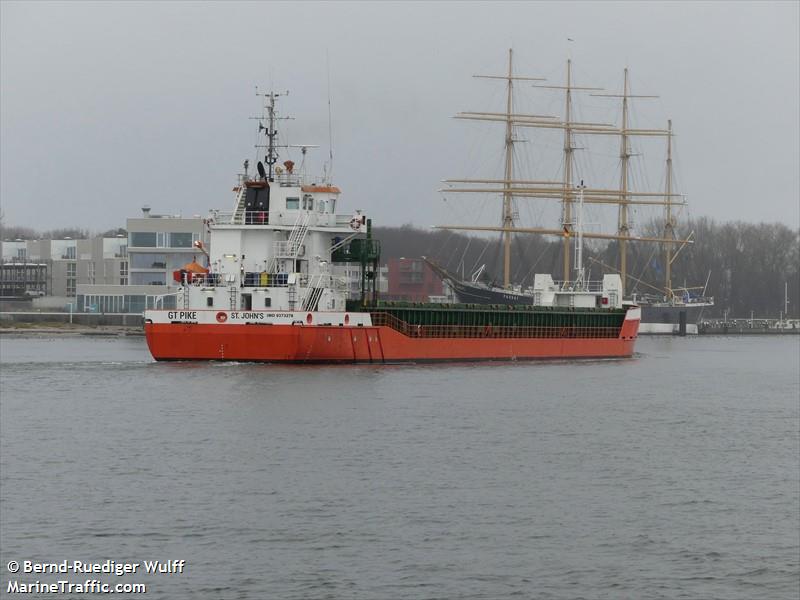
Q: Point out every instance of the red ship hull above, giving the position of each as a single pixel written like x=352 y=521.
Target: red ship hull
x=372 y=344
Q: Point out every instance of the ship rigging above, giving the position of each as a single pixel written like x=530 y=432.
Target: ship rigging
x=565 y=190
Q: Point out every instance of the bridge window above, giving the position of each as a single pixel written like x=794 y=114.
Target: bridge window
x=292 y=203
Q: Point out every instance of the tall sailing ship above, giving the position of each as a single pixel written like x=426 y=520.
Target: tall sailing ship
x=662 y=307
x=269 y=292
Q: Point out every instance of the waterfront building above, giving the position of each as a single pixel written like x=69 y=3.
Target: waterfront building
x=412 y=280
x=161 y=244
x=156 y=246
x=56 y=268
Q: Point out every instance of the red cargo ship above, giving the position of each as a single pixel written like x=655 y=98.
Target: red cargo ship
x=273 y=291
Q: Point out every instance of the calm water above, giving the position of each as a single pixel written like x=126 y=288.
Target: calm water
x=671 y=475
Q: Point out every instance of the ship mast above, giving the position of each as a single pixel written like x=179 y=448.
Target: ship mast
x=579 y=271
x=509 y=118
x=567 y=191
x=565 y=201
x=272 y=153
x=623 y=224
x=669 y=224
x=508 y=216
x=624 y=154
x=269 y=130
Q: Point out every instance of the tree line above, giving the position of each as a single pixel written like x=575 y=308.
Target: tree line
x=14 y=232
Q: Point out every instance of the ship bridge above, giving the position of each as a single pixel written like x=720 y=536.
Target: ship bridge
x=276 y=248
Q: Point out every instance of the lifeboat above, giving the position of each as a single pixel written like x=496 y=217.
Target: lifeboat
x=190 y=271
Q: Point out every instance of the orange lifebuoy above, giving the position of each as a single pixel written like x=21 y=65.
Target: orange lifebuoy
x=221 y=317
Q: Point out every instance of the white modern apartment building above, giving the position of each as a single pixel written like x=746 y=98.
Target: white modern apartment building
x=156 y=246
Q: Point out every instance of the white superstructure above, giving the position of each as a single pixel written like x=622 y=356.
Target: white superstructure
x=274 y=250
x=278 y=258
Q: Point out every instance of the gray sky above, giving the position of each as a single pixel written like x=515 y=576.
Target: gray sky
x=110 y=106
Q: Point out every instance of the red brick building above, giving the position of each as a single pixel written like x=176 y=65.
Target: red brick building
x=412 y=280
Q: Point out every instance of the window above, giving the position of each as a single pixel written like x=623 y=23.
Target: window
x=210 y=301
x=332 y=204
x=72 y=269
x=267 y=302
x=148 y=261
x=109 y=304
x=308 y=202
x=147 y=278
x=22 y=253
x=180 y=240
x=69 y=253
x=123 y=273
x=292 y=203
x=90 y=272
x=161 y=239
x=134 y=304
x=142 y=239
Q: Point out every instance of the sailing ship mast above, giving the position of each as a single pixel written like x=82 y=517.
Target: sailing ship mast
x=669 y=224
x=567 y=188
x=623 y=223
x=508 y=172
x=568 y=149
x=625 y=155
x=508 y=217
